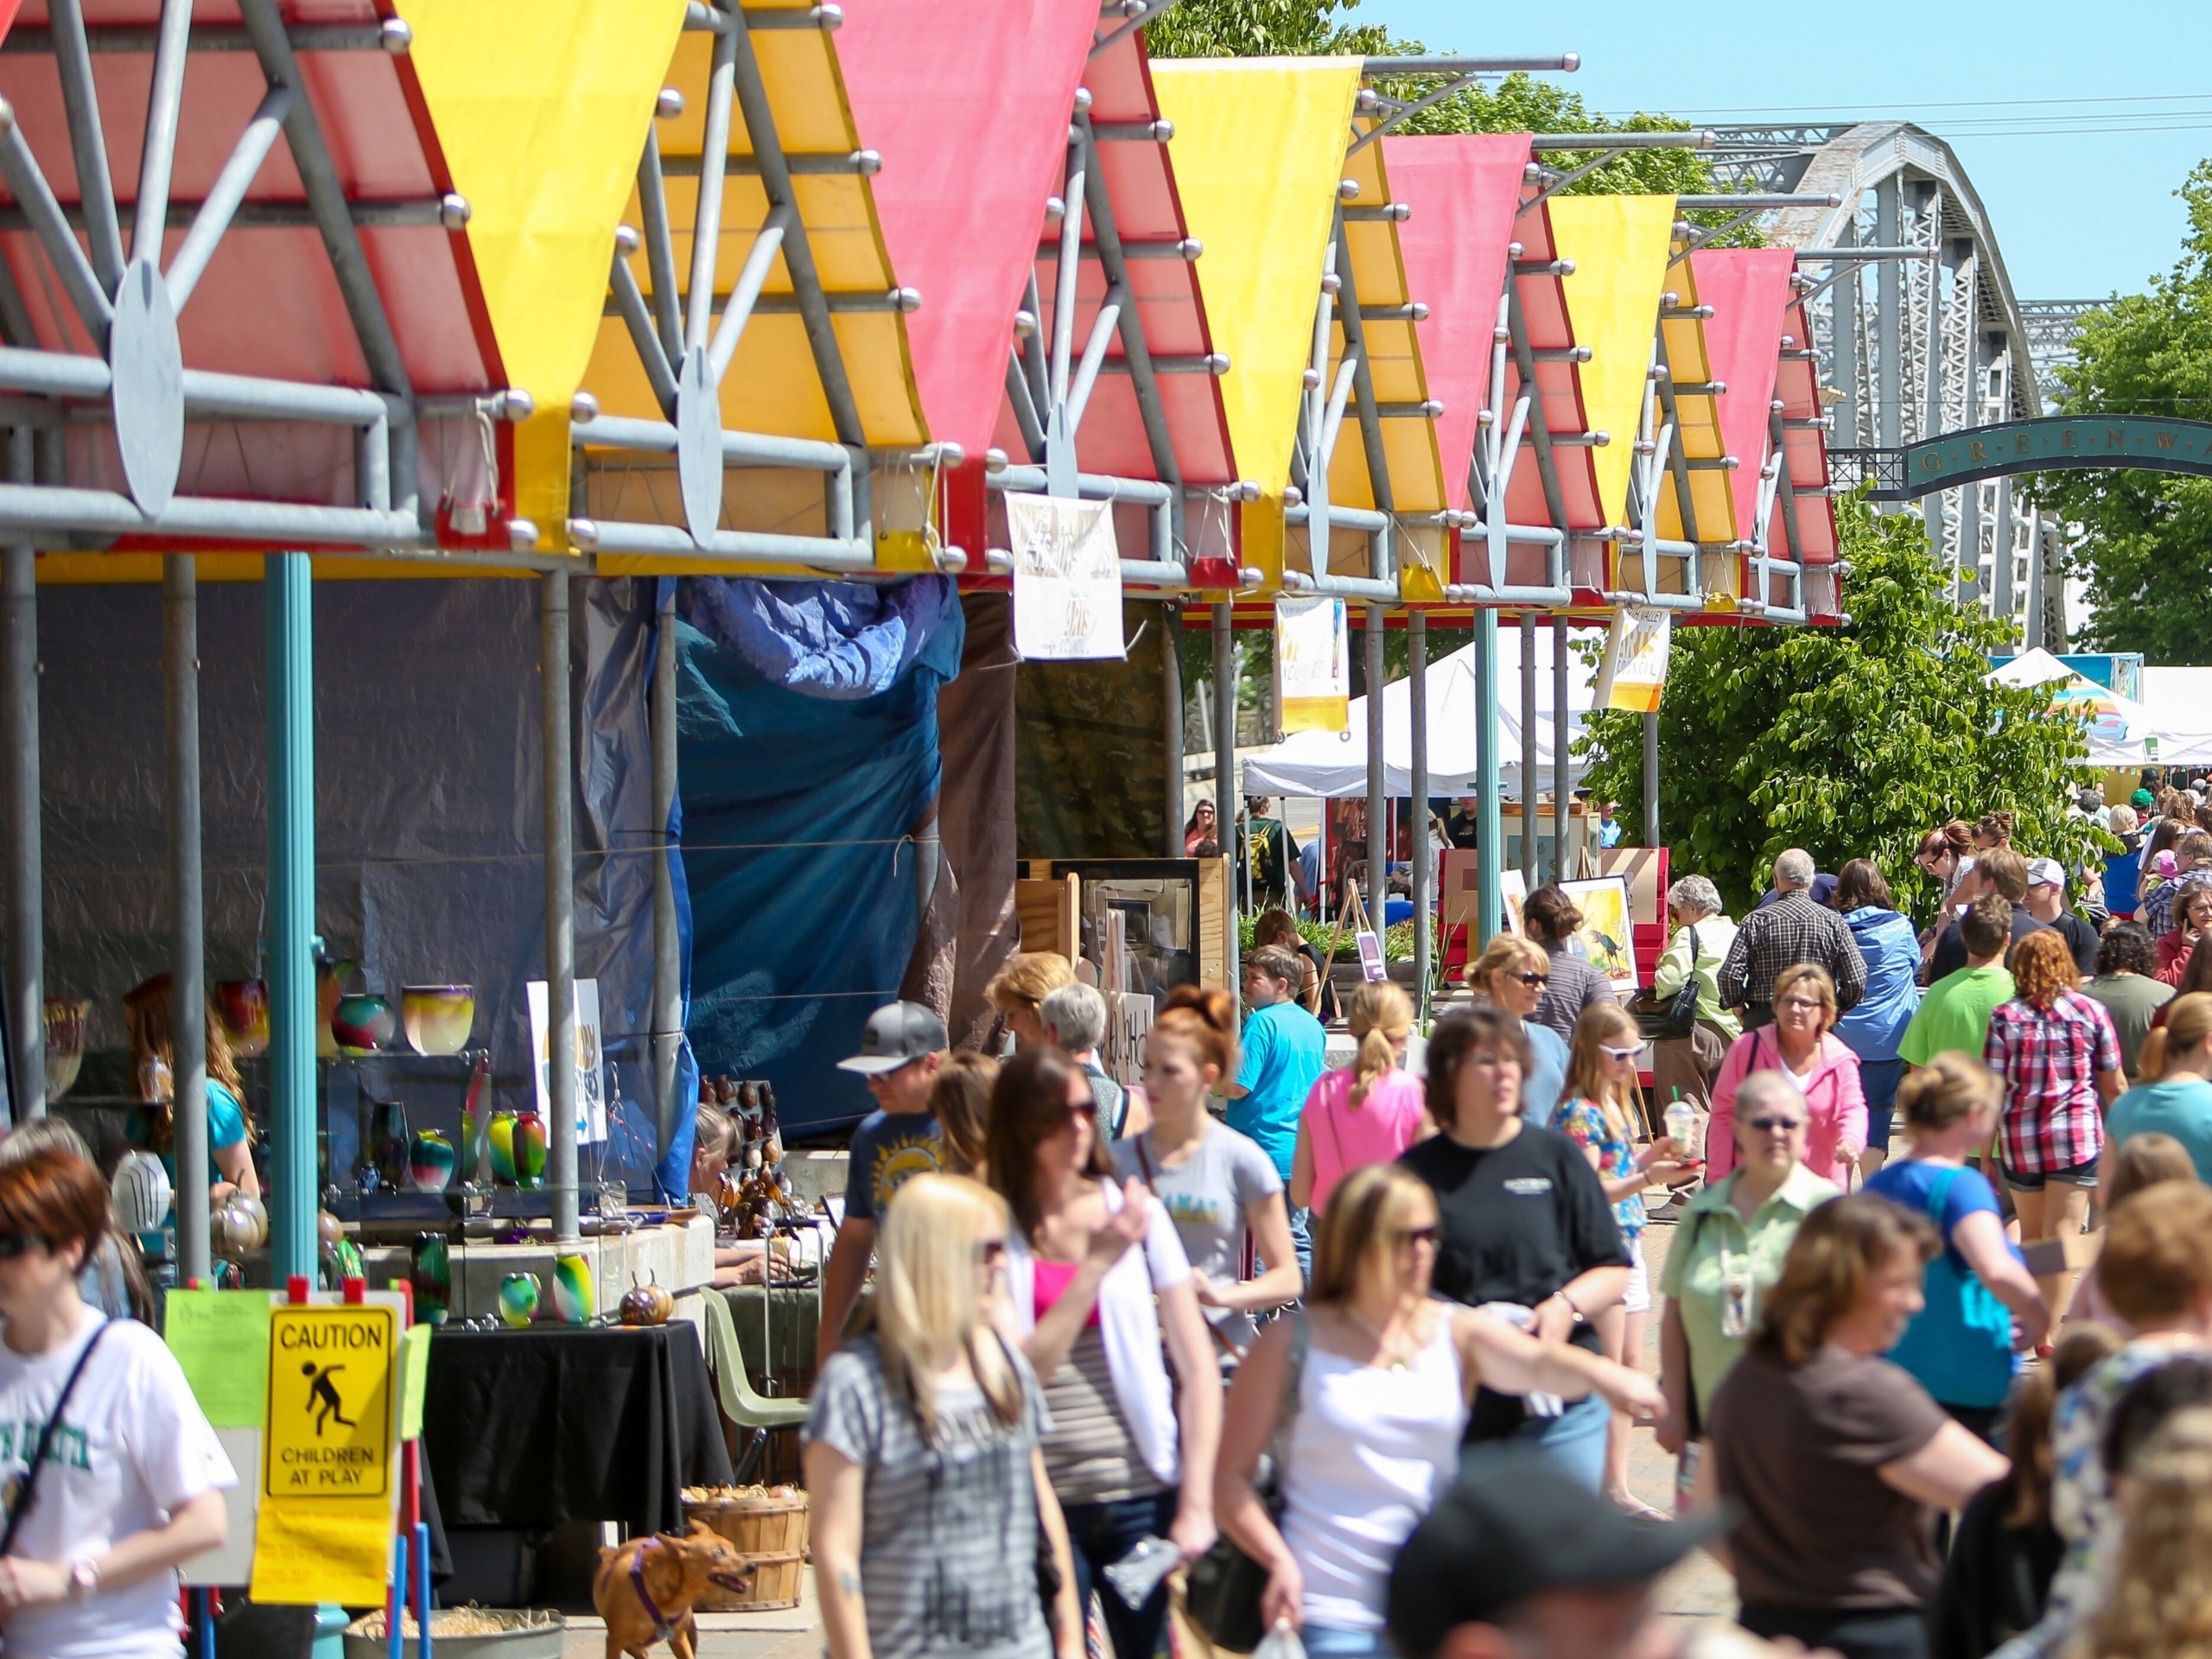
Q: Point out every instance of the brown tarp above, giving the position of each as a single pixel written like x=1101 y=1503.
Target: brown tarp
x=1090 y=776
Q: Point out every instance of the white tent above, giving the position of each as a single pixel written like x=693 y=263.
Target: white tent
x=1325 y=763
x=2171 y=726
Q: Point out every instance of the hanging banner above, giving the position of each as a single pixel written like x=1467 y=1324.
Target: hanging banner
x=1635 y=668
x=1067 y=579
x=591 y=1088
x=1313 y=665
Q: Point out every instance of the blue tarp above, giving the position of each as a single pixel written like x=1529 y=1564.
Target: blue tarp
x=808 y=756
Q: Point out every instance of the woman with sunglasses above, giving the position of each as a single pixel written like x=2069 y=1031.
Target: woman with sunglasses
x=1368 y=1417
x=1526 y=1233
x=1599 y=1115
x=1513 y=973
x=1801 y=1042
x=1096 y=1281
x=131 y=1484
x=1727 y=1254
x=922 y=1452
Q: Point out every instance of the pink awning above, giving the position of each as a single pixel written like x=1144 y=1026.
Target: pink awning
x=1748 y=289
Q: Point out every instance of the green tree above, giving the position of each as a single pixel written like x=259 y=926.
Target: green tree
x=1851 y=742
x=2150 y=534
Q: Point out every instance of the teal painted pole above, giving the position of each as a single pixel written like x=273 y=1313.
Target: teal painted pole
x=1489 y=836
x=289 y=592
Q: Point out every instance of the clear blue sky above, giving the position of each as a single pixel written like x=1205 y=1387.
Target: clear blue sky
x=2075 y=123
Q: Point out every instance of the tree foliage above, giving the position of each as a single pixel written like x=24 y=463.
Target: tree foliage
x=1850 y=742
x=2149 y=541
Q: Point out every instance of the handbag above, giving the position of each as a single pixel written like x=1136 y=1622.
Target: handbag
x=1222 y=1592
x=1677 y=1017
x=1960 y=1345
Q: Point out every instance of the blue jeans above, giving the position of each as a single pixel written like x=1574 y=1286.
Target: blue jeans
x=1574 y=1440
x=1879 y=1079
x=1302 y=1240
x=1099 y=1535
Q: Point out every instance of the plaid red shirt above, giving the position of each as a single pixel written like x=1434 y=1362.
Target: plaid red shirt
x=2049 y=1063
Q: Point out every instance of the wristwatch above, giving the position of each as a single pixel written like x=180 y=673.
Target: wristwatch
x=1571 y=1308
x=84 y=1579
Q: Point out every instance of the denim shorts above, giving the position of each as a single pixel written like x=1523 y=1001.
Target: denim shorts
x=2034 y=1180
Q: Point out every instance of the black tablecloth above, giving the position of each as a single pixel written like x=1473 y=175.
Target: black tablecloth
x=530 y=1428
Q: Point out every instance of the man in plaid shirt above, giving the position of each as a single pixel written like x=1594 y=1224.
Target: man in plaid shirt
x=2193 y=869
x=1791 y=929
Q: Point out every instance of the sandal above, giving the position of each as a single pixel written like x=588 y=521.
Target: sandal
x=1646 y=1512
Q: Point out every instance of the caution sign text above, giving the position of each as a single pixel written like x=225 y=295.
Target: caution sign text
x=330 y=1400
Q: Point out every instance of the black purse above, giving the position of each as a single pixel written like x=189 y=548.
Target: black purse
x=1221 y=1594
x=1677 y=1018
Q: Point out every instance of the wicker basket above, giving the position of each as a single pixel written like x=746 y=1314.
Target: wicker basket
x=770 y=1532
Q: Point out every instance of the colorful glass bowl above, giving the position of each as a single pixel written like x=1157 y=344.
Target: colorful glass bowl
x=437 y=1018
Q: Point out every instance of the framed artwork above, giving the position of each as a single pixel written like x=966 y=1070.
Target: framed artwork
x=1607 y=939
x=1462 y=894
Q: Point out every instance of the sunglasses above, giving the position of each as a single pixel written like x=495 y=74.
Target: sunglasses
x=1418 y=1234
x=14 y=1244
x=1623 y=1053
x=1533 y=979
x=1776 y=1125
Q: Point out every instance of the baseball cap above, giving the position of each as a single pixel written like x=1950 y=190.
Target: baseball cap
x=2141 y=797
x=1512 y=1528
x=2046 y=873
x=897 y=1032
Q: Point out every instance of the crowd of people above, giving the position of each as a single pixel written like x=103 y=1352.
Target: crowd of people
x=1360 y=1349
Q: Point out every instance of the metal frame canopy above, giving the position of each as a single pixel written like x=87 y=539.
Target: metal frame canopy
x=751 y=402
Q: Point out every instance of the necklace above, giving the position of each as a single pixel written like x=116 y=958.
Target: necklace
x=1396 y=1358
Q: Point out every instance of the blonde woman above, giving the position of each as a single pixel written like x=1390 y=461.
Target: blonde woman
x=1598 y=1114
x=1019 y=991
x=1513 y=974
x=1381 y=1373
x=1364 y=1113
x=2175 y=1096
x=922 y=1460
x=1801 y=1044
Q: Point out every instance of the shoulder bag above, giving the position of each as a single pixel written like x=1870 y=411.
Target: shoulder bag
x=1222 y=1593
x=28 y=1493
x=1677 y=1017
x=1960 y=1345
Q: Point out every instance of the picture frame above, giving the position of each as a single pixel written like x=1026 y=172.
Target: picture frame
x=1607 y=939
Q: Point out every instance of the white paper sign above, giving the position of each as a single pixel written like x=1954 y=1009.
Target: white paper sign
x=591 y=1071
x=1067 y=579
x=1635 y=670
x=1312 y=664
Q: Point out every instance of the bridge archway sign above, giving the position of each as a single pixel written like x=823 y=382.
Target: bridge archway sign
x=2054 y=443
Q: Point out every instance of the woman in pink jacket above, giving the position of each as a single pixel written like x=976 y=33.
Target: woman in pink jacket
x=1825 y=1072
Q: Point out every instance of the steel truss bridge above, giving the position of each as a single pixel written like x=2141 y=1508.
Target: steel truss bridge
x=1917 y=322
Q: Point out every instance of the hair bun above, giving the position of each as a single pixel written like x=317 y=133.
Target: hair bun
x=1213 y=1005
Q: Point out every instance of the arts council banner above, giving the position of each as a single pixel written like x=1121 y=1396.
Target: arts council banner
x=1635 y=668
x=1313 y=665
x=1067 y=579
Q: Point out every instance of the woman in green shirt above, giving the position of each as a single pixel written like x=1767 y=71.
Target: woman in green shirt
x=1727 y=1254
x=1686 y=1066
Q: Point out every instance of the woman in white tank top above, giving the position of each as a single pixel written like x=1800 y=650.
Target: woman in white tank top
x=1365 y=1399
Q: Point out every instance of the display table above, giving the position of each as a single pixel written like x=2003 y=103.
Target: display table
x=530 y=1428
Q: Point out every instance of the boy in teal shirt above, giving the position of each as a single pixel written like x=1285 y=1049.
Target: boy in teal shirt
x=1285 y=1053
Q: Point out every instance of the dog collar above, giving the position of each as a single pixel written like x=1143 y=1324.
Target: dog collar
x=662 y=1627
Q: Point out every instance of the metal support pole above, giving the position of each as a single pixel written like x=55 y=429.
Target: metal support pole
x=1224 y=778
x=1651 y=780
x=1378 y=777
x=668 y=960
x=1561 y=788
x=26 y=861
x=1843 y=348
x=2001 y=556
x=2032 y=633
x=288 y=592
x=1529 y=773
x=560 y=899
x=1889 y=319
x=1490 y=864
x=1424 y=898
x=187 y=954
x=1170 y=684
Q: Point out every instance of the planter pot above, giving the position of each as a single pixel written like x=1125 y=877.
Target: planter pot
x=524 y=1633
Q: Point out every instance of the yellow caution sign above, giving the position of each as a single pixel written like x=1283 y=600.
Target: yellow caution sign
x=330 y=1402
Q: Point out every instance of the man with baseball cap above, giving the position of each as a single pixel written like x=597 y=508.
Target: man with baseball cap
x=1519 y=1561
x=900 y=1051
x=2047 y=904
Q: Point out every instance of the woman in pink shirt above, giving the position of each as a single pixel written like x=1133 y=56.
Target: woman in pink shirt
x=1800 y=1045
x=1364 y=1113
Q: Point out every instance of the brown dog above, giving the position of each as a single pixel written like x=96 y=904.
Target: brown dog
x=644 y=1589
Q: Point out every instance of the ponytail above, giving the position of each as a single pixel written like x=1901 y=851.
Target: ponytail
x=1380 y=1017
x=2189 y=1023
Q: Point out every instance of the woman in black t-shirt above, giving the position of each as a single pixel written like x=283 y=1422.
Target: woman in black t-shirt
x=1526 y=1231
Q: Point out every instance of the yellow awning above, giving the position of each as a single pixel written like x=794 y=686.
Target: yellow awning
x=1619 y=246
x=1697 y=416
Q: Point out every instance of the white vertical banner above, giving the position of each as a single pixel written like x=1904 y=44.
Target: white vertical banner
x=1635 y=668
x=1067 y=579
x=1312 y=664
x=591 y=1088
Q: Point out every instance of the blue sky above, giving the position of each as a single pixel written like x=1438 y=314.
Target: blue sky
x=2076 y=123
